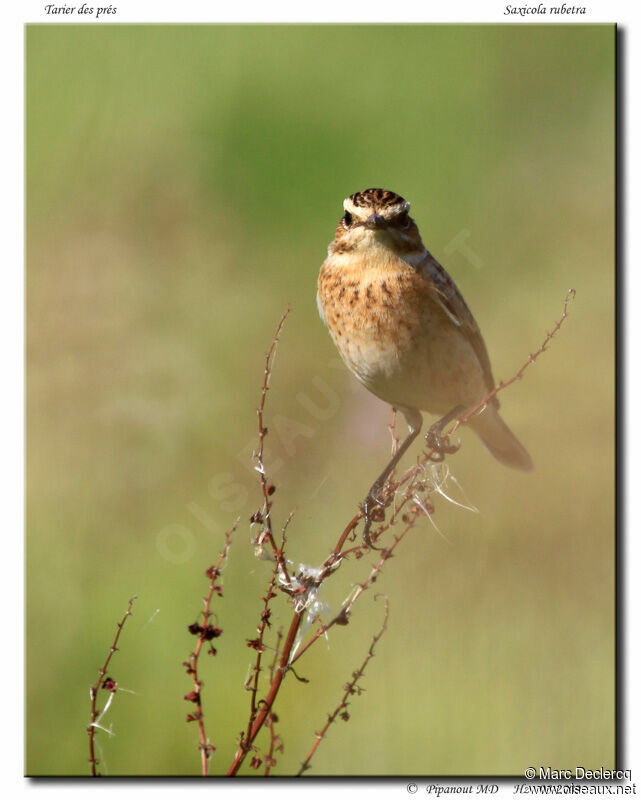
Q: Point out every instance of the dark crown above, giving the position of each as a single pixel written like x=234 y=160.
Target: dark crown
x=381 y=198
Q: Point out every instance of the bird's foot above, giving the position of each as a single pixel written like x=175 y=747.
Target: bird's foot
x=374 y=511
x=439 y=445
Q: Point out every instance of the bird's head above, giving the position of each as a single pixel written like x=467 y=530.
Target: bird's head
x=376 y=218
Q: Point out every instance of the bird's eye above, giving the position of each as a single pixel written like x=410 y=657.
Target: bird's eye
x=347 y=219
x=403 y=221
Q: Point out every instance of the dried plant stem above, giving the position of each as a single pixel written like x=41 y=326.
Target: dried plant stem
x=265 y=515
x=570 y=295
x=259 y=645
x=272 y=666
x=271 y=719
x=409 y=492
x=205 y=633
x=350 y=688
x=342 y=617
x=93 y=692
x=337 y=552
x=266 y=705
x=259 y=710
x=269 y=758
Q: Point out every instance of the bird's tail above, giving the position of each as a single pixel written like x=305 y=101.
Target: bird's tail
x=500 y=440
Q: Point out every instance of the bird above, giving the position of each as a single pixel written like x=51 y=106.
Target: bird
x=402 y=327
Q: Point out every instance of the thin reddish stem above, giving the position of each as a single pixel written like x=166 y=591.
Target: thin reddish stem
x=351 y=688
x=205 y=633
x=571 y=294
x=259 y=645
x=271 y=718
x=267 y=489
x=93 y=692
x=342 y=617
x=267 y=704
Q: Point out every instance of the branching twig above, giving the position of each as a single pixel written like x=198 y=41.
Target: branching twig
x=205 y=633
x=342 y=618
x=410 y=493
x=264 y=515
x=275 y=742
x=571 y=293
x=409 y=485
x=351 y=688
x=266 y=705
x=258 y=711
x=109 y=684
x=259 y=646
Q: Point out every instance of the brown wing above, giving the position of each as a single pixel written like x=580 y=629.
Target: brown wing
x=455 y=307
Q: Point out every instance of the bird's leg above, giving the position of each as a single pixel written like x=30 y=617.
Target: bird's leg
x=373 y=500
x=436 y=441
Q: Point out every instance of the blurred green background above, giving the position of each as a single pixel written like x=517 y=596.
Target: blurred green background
x=182 y=186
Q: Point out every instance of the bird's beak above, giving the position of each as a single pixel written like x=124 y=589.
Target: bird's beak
x=374 y=222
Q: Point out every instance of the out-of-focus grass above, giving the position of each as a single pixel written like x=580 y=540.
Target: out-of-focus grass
x=183 y=183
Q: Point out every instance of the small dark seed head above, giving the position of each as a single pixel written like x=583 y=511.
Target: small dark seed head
x=212 y=632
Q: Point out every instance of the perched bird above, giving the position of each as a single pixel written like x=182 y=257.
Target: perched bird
x=402 y=327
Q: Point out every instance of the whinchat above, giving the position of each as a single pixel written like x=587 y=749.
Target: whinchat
x=403 y=328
